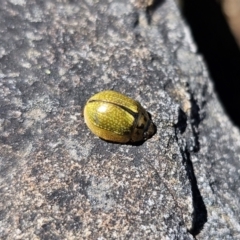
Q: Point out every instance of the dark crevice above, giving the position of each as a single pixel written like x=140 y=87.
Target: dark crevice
x=199 y=208
x=151 y=8
x=135 y=20
x=195 y=120
x=182 y=121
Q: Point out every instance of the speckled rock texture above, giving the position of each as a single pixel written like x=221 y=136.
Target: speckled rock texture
x=58 y=180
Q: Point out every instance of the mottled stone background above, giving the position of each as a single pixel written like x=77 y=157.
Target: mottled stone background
x=58 y=180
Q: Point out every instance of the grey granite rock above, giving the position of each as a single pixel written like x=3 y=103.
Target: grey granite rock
x=58 y=180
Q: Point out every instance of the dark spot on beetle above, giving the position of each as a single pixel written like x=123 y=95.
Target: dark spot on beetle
x=145 y=119
x=137 y=133
x=125 y=131
x=140 y=126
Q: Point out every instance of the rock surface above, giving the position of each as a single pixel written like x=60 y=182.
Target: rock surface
x=59 y=181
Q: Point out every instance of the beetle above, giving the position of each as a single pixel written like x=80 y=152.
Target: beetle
x=115 y=117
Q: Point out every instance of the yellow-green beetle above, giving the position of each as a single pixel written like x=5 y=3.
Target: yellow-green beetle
x=117 y=118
